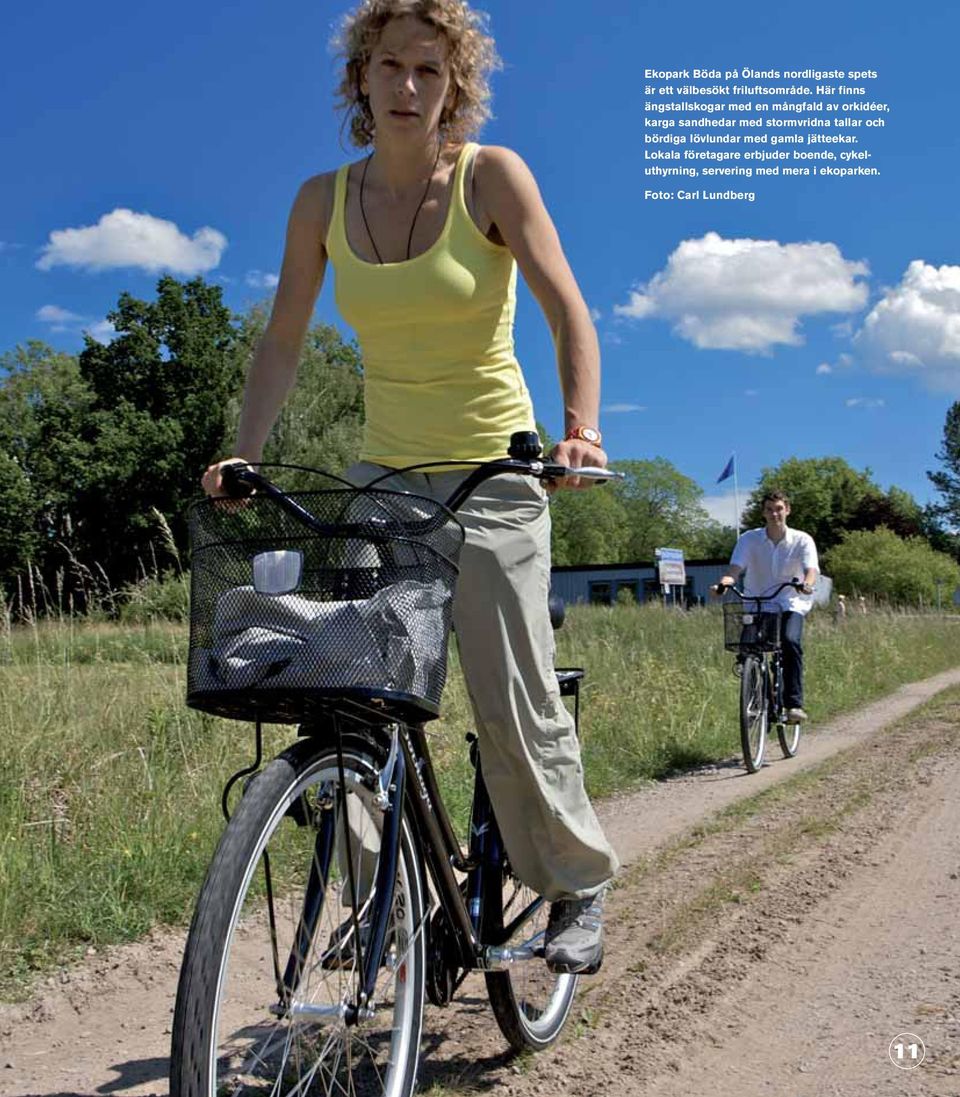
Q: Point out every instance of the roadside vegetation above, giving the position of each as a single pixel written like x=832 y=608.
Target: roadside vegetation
x=110 y=787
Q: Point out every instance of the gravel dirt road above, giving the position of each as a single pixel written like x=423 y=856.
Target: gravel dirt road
x=769 y=935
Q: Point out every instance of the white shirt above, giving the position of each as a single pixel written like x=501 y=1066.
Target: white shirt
x=768 y=564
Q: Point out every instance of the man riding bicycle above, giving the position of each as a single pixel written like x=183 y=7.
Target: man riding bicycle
x=769 y=556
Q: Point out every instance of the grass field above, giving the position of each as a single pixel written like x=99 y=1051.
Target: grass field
x=110 y=787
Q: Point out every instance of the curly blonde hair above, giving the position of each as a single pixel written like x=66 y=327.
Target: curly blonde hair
x=472 y=57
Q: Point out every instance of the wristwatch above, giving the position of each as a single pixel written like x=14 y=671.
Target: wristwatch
x=584 y=434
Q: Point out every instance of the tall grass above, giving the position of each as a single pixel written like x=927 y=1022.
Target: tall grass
x=110 y=787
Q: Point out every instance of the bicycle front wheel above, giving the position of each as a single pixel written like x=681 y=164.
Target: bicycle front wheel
x=270 y=980
x=789 y=736
x=754 y=713
x=531 y=1003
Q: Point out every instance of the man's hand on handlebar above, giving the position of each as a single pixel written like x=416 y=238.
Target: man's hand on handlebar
x=721 y=586
x=575 y=453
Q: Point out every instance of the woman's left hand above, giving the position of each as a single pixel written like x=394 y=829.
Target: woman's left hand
x=576 y=453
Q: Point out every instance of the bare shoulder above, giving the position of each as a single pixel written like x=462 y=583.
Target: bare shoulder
x=498 y=166
x=313 y=206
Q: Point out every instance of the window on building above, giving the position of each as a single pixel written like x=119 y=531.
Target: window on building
x=601 y=594
x=627 y=591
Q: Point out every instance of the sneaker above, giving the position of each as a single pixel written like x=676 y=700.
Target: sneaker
x=574 y=939
x=796 y=715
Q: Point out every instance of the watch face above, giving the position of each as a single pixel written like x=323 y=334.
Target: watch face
x=588 y=434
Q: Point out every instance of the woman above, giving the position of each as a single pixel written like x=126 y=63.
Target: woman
x=424 y=236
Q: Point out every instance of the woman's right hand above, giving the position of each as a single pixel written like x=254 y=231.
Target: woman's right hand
x=212 y=479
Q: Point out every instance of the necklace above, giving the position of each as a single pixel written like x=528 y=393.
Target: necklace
x=363 y=212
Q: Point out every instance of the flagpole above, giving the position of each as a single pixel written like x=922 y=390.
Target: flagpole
x=736 y=492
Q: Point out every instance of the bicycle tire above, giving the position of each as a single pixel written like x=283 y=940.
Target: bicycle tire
x=754 y=712
x=789 y=736
x=531 y=1004
x=226 y=1036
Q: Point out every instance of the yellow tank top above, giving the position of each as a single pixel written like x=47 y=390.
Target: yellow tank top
x=436 y=331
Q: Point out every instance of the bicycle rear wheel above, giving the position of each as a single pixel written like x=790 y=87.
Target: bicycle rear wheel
x=754 y=713
x=530 y=1002
x=270 y=973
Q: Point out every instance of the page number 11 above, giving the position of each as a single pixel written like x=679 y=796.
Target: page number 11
x=906 y=1051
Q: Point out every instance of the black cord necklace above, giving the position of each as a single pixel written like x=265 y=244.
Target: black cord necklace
x=363 y=212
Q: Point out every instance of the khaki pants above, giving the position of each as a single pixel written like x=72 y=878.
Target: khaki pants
x=529 y=748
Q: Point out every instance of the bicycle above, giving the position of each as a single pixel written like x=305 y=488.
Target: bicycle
x=754 y=634
x=315 y=939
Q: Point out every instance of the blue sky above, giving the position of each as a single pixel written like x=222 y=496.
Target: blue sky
x=831 y=328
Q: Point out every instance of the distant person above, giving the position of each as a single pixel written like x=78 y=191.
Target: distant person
x=840 y=610
x=770 y=556
x=863 y=604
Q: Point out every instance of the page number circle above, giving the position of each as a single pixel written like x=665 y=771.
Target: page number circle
x=906 y=1051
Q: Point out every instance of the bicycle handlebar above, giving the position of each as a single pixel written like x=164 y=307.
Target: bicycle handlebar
x=240 y=480
x=719 y=588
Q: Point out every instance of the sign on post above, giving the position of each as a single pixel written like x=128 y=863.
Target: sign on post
x=671 y=569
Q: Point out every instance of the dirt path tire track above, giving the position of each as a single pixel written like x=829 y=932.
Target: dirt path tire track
x=649 y=1023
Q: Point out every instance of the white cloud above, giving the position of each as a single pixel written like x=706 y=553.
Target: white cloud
x=103 y=331
x=63 y=320
x=124 y=238
x=262 y=280
x=723 y=508
x=824 y=367
x=595 y=315
x=864 y=402
x=54 y=314
x=747 y=295
x=915 y=327
x=617 y=409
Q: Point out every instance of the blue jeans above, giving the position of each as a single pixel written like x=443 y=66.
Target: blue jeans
x=791 y=631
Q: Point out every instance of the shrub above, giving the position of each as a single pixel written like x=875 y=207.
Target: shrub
x=166 y=598
x=903 y=571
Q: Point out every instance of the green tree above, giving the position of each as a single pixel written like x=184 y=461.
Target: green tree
x=321 y=423
x=625 y=521
x=663 y=508
x=897 y=510
x=947 y=479
x=713 y=541
x=826 y=494
x=589 y=526
x=903 y=571
x=44 y=459
x=18 y=509
x=160 y=391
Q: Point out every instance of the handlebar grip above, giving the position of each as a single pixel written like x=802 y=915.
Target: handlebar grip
x=237 y=480
x=590 y=472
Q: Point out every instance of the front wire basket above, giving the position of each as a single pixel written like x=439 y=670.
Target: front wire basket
x=289 y=620
x=746 y=629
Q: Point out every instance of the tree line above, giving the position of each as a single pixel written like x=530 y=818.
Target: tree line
x=101 y=453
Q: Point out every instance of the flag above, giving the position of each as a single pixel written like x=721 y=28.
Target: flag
x=727 y=471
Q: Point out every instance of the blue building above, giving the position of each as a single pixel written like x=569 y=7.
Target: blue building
x=602 y=583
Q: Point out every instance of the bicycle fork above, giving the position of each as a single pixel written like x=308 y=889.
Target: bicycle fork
x=389 y=799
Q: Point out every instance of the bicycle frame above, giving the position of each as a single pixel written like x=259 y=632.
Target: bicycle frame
x=462 y=903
